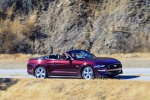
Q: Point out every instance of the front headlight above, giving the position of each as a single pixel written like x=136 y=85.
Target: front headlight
x=99 y=66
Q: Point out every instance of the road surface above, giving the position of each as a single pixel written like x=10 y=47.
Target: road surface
x=142 y=74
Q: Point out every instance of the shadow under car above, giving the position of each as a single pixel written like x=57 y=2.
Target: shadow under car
x=126 y=77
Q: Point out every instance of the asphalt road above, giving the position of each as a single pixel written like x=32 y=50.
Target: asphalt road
x=141 y=74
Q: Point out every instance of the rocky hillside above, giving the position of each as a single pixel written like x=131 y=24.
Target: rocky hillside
x=99 y=26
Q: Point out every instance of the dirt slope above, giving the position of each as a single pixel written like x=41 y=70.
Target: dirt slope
x=76 y=89
x=99 y=26
x=105 y=26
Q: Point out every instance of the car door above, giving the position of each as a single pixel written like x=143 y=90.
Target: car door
x=62 y=67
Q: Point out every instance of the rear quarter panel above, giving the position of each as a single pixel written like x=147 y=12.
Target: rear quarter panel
x=34 y=63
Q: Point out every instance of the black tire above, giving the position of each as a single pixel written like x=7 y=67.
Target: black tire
x=87 y=73
x=40 y=72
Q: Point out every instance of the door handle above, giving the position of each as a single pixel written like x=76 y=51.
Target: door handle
x=51 y=63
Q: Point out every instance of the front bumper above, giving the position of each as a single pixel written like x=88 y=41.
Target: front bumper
x=110 y=72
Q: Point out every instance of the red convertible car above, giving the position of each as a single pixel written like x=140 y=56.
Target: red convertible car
x=75 y=63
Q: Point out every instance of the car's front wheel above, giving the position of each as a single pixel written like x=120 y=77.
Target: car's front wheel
x=40 y=72
x=87 y=73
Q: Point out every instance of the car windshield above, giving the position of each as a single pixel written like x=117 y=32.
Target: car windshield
x=81 y=54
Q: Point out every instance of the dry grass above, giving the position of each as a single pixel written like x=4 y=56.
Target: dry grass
x=32 y=19
x=14 y=31
x=12 y=27
x=76 y=89
x=128 y=56
x=31 y=23
x=16 y=57
x=16 y=26
x=25 y=57
x=135 y=60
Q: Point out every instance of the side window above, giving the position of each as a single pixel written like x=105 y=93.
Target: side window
x=54 y=56
x=73 y=54
x=79 y=55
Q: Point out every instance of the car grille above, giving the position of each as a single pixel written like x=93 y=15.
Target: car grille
x=114 y=66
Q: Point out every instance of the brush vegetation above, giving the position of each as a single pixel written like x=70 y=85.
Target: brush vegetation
x=17 y=28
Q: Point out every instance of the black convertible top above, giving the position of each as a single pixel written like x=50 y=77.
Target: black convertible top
x=52 y=56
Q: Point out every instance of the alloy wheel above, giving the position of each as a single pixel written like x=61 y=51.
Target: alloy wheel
x=87 y=73
x=40 y=72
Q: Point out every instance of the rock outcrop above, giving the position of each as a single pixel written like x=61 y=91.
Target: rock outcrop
x=99 y=26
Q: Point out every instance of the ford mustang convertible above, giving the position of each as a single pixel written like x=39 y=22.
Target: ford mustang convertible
x=75 y=63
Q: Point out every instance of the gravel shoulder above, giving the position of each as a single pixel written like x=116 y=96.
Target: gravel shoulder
x=13 y=65
x=136 y=63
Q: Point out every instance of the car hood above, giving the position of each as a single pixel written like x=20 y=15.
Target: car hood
x=100 y=60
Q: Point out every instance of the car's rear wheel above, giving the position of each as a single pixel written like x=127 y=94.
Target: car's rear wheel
x=87 y=73
x=40 y=72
